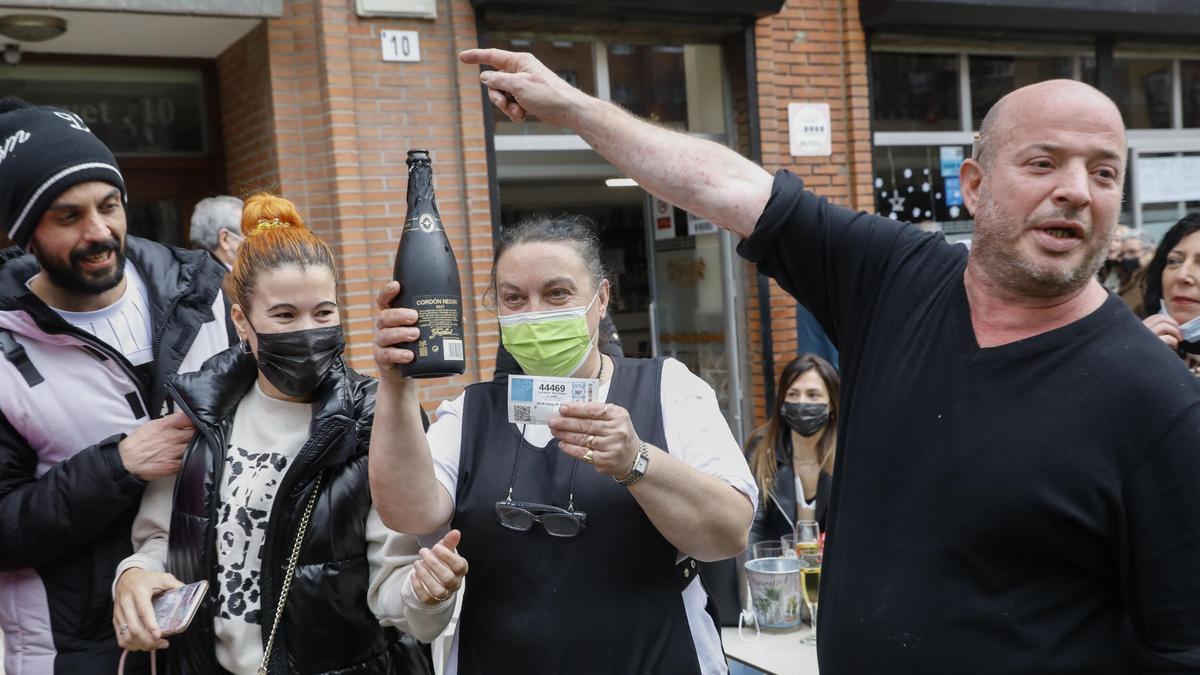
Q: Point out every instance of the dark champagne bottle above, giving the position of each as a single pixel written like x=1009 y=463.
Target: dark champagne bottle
x=428 y=276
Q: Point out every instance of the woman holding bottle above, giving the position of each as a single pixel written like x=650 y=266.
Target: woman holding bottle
x=272 y=505
x=582 y=534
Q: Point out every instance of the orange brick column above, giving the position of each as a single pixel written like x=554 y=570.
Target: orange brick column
x=812 y=51
x=340 y=122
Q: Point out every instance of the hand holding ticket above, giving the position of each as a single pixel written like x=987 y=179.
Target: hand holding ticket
x=535 y=399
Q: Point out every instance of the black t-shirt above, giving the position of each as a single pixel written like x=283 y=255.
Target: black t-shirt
x=1028 y=508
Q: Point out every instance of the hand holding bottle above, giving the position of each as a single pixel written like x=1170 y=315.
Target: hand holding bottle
x=395 y=326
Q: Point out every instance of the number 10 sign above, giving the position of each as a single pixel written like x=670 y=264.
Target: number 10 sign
x=400 y=45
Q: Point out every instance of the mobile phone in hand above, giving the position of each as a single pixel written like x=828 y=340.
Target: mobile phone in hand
x=175 y=609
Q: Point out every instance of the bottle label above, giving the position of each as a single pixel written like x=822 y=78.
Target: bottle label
x=425 y=223
x=440 y=321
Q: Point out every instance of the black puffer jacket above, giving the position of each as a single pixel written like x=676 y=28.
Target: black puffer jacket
x=327 y=625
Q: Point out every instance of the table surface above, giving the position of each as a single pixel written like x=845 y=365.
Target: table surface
x=771 y=653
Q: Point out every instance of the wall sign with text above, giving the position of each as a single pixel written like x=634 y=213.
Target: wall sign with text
x=809 y=130
x=400 y=45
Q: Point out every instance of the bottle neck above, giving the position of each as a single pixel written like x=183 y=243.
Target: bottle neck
x=420 y=189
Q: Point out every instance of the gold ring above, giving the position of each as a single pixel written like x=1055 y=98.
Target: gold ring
x=587 y=456
x=587 y=443
x=443 y=597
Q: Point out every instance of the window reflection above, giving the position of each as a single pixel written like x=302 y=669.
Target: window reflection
x=994 y=76
x=572 y=61
x=915 y=92
x=1143 y=92
x=650 y=81
x=1189 y=75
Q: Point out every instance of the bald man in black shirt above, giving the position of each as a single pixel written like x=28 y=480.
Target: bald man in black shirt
x=1018 y=484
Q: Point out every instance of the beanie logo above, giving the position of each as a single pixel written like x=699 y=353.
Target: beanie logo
x=75 y=120
x=12 y=142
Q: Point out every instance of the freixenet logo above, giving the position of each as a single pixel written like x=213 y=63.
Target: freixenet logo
x=11 y=143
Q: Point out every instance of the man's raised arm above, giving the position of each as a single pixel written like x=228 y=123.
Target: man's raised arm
x=701 y=177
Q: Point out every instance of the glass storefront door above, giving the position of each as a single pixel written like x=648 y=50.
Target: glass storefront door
x=694 y=307
x=676 y=292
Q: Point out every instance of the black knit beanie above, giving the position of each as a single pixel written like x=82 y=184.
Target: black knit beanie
x=43 y=152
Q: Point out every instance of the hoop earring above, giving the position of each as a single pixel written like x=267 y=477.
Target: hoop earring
x=244 y=347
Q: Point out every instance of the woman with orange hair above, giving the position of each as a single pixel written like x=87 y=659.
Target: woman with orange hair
x=271 y=505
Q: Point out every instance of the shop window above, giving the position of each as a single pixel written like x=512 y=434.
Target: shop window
x=1087 y=70
x=919 y=184
x=1143 y=92
x=994 y=76
x=570 y=60
x=1189 y=75
x=650 y=81
x=915 y=92
x=135 y=111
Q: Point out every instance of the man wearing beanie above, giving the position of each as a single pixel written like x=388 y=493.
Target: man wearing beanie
x=92 y=323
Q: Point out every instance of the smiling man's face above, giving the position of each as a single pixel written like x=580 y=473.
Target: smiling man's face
x=80 y=239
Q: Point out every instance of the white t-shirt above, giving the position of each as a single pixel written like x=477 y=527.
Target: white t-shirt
x=125 y=325
x=267 y=434
x=696 y=434
x=801 y=500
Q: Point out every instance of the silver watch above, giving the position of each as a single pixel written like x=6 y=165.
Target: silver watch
x=639 y=467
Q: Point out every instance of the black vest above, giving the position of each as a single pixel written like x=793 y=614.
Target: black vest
x=605 y=601
x=327 y=625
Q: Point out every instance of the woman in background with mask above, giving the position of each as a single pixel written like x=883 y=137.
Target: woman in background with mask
x=791 y=456
x=272 y=504
x=1172 y=297
x=581 y=534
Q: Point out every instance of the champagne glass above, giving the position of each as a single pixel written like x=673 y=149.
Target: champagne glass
x=810 y=588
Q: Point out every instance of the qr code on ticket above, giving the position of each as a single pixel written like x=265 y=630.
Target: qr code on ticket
x=522 y=413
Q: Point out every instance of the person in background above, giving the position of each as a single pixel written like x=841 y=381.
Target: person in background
x=791 y=455
x=216 y=228
x=284 y=425
x=1136 y=253
x=1172 y=295
x=1110 y=274
x=92 y=323
x=581 y=534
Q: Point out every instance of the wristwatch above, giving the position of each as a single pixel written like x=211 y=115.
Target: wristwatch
x=639 y=467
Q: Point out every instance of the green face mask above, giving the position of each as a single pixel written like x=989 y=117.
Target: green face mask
x=553 y=343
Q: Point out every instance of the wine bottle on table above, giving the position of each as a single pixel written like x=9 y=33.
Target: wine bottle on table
x=428 y=276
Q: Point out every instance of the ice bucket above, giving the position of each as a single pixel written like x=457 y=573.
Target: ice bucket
x=775 y=593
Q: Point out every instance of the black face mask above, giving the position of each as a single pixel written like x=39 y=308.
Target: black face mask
x=805 y=419
x=1130 y=265
x=297 y=361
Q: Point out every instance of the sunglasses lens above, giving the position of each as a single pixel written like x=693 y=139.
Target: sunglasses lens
x=514 y=518
x=561 y=525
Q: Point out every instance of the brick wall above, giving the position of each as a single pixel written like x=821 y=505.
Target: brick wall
x=311 y=110
x=341 y=121
x=812 y=51
x=244 y=90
